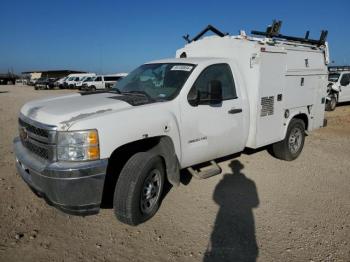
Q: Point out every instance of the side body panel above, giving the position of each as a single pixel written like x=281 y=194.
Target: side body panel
x=269 y=117
x=306 y=86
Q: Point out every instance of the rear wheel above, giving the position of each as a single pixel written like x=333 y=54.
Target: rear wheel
x=139 y=188
x=291 y=147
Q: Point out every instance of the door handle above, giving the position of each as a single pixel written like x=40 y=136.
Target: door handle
x=235 y=111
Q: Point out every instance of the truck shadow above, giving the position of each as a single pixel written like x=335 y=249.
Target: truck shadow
x=233 y=237
x=343 y=104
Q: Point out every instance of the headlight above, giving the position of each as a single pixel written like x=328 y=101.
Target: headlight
x=78 y=145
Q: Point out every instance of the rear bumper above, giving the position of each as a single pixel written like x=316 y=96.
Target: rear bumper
x=74 y=188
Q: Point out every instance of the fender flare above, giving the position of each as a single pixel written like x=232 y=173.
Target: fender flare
x=297 y=114
x=165 y=148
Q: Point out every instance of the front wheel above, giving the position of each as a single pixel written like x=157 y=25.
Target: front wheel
x=139 y=188
x=292 y=145
x=332 y=103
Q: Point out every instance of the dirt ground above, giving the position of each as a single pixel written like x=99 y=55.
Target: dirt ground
x=258 y=208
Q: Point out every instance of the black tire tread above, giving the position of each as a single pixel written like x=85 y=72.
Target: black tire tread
x=126 y=186
x=280 y=149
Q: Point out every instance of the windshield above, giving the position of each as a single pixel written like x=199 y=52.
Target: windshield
x=160 y=81
x=71 y=78
x=89 y=79
x=333 y=77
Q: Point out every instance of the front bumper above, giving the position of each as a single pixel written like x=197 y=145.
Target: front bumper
x=73 y=187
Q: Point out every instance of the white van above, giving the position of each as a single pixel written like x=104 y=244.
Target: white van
x=73 y=79
x=102 y=81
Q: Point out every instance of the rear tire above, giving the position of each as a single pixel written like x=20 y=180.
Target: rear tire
x=332 y=103
x=291 y=147
x=139 y=188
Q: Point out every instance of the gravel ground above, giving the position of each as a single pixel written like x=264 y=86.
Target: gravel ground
x=258 y=208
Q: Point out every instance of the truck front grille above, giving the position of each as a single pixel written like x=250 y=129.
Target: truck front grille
x=35 y=130
x=36 y=139
x=39 y=151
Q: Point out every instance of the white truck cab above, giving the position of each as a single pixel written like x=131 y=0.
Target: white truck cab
x=338 y=88
x=220 y=95
x=102 y=81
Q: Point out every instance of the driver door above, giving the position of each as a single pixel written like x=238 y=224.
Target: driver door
x=210 y=130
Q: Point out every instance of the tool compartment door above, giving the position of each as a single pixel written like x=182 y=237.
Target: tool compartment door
x=269 y=127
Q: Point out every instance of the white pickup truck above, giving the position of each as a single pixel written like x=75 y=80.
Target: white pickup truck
x=338 y=88
x=220 y=95
x=101 y=81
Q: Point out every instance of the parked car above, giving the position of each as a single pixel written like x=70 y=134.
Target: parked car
x=60 y=82
x=102 y=81
x=220 y=95
x=73 y=79
x=338 y=88
x=32 y=81
x=79 y=84
x=21 y=81
x=45 y=83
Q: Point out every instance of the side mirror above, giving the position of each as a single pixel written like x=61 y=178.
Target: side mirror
x=195 y=99
x=215 y=92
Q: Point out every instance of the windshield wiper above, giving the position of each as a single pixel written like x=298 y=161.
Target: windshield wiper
x=139 y=92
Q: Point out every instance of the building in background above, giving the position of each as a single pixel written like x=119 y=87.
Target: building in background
x=32 y=76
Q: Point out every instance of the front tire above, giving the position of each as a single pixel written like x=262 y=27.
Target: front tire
x=291 y=147
x=332 y=103
x=139 y=188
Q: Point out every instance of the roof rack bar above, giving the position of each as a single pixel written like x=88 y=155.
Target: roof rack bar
x=203 y=32
x=274 y=32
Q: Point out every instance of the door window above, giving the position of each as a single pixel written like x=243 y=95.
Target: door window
x=98 y=79
x=345 y=80
x=218 y=72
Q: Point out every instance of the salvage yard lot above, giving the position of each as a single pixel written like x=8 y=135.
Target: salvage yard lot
x=259 y=207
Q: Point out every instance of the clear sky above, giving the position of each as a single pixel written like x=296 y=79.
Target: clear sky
x=115 y=36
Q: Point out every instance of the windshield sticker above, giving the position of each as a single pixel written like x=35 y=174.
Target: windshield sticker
x=182 y=68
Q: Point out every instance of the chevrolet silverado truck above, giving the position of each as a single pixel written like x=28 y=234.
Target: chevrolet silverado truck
x=219 y=95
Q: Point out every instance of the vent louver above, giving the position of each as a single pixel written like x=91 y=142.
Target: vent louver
x=267 y=106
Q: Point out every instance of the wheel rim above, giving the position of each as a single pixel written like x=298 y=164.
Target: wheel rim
x=295 y=139
x=150 y=191
x=333 y=103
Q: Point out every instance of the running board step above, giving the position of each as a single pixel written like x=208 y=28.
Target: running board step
x=206 y=172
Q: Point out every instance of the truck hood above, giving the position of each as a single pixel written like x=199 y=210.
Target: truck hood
x=63 y=111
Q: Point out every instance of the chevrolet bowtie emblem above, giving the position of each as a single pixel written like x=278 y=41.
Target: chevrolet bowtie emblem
x=23 y=133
